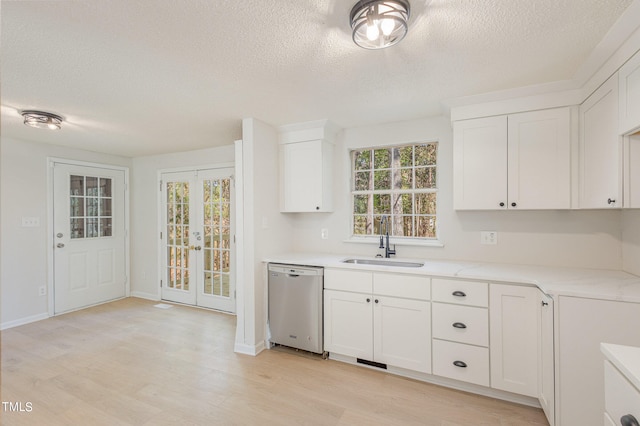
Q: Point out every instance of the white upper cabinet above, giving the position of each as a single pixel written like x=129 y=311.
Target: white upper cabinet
x=632 y=171
x=629 y=90
x=540 y=159
x=306 y=158
x=480 y=163
x=306 y=176
x=519 y=161
x=600 y=149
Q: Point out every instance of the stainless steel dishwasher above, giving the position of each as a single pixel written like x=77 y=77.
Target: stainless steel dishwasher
x=295 y=306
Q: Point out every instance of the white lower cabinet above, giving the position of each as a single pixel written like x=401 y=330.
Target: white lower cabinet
x=496 y=335
x=582 y=325
x=513 y=319
x=378 y=326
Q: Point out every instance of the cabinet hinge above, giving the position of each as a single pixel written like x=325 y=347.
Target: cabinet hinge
x=160 y=189
x=160 y=234
x=160 y=283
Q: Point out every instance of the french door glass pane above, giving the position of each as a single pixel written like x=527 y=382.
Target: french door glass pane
x=177 y=227
x=217 y=221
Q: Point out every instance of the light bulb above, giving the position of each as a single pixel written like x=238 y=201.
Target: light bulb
x=387 y=26
x=373 y=32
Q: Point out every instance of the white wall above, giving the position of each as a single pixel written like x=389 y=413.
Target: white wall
x=23 y=192
x=589 y=239
x=267 y=231
x=631 y=241
x=145 y=196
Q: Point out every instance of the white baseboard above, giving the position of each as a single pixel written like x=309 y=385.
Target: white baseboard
x=252 y=350
x=23 y=321
x=143 y=295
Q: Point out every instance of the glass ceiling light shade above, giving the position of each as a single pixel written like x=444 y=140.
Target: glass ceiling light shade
x=42 y=120
x=377 y=24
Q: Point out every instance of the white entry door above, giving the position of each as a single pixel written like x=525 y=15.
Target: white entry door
x=89 y=236
x=197 y=238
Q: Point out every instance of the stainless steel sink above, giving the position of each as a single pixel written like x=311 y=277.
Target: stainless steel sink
x=384 y=262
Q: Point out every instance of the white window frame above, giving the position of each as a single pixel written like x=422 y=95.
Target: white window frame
x=400 y=240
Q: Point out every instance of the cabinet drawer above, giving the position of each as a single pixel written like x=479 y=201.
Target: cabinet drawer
x=473 y=362
x=460 y=292
x=346 y=280
x=405 y=286
x=464 y=324
x=621 y=398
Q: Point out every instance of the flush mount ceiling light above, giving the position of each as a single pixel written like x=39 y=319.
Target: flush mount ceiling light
x=42 y=120
x=377 y=24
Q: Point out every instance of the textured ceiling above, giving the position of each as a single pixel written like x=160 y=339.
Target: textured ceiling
x=139 y=77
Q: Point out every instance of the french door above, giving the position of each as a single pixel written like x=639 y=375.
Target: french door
x=197 y=238
x=89 y=257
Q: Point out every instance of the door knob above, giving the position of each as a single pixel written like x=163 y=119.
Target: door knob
x=59 y=235
x=60 y=245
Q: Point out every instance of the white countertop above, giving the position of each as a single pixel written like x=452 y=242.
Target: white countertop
x=626 y=359
x=554 y=281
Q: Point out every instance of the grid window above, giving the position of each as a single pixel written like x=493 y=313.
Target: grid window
x=90 y=207
x=399 y=182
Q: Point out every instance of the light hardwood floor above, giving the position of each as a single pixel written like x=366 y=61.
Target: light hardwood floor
x=130 y=363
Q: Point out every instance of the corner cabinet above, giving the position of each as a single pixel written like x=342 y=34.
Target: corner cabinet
x=582 y=325
x=497 y=161
x=600 y=149
x=306 y=176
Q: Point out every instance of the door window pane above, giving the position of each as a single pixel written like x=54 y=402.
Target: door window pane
x=90 y=207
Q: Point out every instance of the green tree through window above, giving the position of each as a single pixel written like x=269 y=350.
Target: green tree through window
x=399 y=182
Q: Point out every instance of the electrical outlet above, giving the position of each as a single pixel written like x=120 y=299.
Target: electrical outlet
x=489 y=237
x=324 y=233
x=42 y=291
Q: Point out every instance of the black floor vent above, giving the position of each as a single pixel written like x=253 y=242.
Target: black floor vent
x=372 y=363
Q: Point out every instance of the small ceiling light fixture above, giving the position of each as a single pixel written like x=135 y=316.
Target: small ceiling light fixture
x=377 y=24
x=42 y=120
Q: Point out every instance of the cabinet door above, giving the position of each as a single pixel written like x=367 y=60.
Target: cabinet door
x=302 y=174
x=402 y=333
x=540 y=159
x=600 y=149
x=546 y=364
x=348 y=324
x=513 y=324
x=582 y=325
x=480 y=164
x=629 y=79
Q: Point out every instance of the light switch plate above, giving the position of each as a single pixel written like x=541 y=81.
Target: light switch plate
x=30 y=222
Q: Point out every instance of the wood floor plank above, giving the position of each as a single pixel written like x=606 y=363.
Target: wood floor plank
x=129 y=363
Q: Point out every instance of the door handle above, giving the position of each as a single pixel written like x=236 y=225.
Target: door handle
x=60 y=245
x=195 y=248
